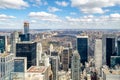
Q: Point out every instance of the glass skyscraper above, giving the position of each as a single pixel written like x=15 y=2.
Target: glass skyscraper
x=82 y=47
x=108 y=48
x=27 y=49
x=3 y=43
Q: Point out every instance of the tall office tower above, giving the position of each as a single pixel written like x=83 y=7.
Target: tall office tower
x=118 y=47
x=75 y=67
x=20 y=64
x=98 y=53
x=3 y=44
x=108 y=45
x=14 y=40
x=26 y=27
x=82 y=47
x=39 y=53
x=65 y=59
x=6 y=66
x=70 y=56
x=26 y=36
x=27 y=49
x=54 y=67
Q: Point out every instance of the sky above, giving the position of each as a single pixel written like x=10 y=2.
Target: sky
x=60 y=14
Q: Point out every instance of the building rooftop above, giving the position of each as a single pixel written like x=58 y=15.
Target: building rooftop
x=25 y=42
x=113 y=72
x=37 y=69
x=4 y=54
x=82 y=36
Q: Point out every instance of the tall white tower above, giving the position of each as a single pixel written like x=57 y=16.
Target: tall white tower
x=75 y=66
x=98 y=53
x=39 y=53
x=51 y=48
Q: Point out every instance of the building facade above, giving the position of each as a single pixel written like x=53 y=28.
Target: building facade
x=75 y=67
x=27 y=49
x=82 y=47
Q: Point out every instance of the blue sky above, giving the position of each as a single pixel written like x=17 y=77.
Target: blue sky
x=60 y=14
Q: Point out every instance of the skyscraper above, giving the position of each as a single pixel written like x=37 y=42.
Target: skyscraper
x=75 y=67
x=98 y=53
x=82 y=47
x=118 y=47
x=108 y=45
x=26 y=27
x=27 y=49
x=3 y=44
x=39 y=53
x=65 y=59
x=26 y=36
x=14 y=39
x=54 y=67
x=6 y=66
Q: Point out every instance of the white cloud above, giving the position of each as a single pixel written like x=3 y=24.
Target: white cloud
x=93 y=6
x=33 y=21
x=63 y=3
x=53 y=9
x=14 y=4
x=6 y=17
x=44 y=16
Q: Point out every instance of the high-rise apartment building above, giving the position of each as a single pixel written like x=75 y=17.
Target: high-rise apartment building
x=6 y=66
x=54 y=67
x=98 y=53
x=14 y=39
x=27 y=49
x=65 y=59
x=75 y=67
x=82 y=47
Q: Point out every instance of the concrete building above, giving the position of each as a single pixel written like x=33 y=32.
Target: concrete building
x=111 y=74
x=75 y=67
x=14 y=39
x=39 y=53
x=6 y=66
x=65 y=59
x=98 y=53
x=54 y=67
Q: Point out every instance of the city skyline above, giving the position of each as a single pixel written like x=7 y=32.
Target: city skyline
x=60 y=14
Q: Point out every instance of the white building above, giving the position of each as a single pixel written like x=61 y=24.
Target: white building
x=98 y=53
x=75 y=67
x=6 y=66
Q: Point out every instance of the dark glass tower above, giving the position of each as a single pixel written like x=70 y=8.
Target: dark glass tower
x=27 y=49
x=82 y=47
x=3 y=43
x=108 y=48
x=118 y=47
